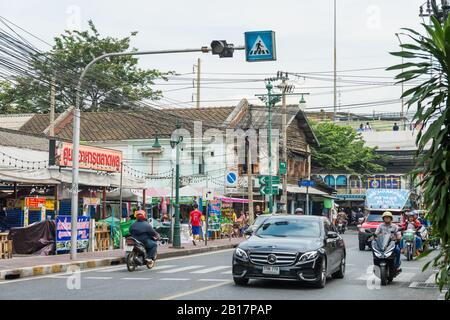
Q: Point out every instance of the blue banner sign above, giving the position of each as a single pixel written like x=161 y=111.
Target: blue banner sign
x=63 y=233
x=386 y=198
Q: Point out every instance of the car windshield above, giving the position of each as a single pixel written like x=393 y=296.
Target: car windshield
x=289 y=228
x=375 y=217
x=259 y=220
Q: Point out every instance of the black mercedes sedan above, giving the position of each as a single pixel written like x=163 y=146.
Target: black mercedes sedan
x=288 y=247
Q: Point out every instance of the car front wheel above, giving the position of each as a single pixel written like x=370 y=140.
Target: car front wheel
x=323 y=275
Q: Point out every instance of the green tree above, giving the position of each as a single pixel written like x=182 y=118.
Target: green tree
x=113 y=83
x=433 y=110
x=342 y=148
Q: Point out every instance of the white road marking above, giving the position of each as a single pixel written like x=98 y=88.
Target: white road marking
x=212 y=269
x=226 y=272
x=174 y=279
x=431 y=279
x=135 y=278
x=178 y=295
x=98 y=278
x=163 y=267
x=181 y=269
x=402 y=277
x=213 y=280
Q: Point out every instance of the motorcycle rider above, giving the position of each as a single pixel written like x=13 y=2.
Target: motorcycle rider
x=342 y=218
x=142 y=230
x=423 y=220
x=388 y=228
x=413 y=224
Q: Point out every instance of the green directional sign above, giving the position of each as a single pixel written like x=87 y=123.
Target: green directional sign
x=266 y=179
x=266 y=190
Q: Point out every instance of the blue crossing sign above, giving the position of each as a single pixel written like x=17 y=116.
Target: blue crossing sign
x=260 y=46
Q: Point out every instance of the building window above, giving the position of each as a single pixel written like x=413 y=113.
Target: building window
x=341 y=181
x=329 y=180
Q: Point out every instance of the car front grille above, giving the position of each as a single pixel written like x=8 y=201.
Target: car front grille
x=282 y=258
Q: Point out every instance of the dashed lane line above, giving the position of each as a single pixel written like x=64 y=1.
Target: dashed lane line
x=98 y=278
x=135 y=279
x=180 y=269
x=175 y=279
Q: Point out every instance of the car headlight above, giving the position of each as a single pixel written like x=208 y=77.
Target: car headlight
x=241 y=254
x=308 y=256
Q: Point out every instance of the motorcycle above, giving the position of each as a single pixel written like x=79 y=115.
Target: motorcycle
x=136 y=254
x=409 y=240
x=383 y=247
x=341 y=227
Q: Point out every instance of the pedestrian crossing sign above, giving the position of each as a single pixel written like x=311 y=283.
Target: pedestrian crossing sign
x=260 y=46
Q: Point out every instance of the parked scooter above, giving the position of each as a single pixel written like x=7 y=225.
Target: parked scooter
x=383 y=247
x=136 y=254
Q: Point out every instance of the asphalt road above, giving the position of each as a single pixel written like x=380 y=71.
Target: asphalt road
x=208 y=276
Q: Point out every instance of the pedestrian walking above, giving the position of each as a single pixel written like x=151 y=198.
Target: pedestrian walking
x=195 y=221
x=395 y=127
x=361 y=128
x=367 y=127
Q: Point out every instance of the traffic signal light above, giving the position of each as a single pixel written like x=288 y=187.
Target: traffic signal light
x=222 y=48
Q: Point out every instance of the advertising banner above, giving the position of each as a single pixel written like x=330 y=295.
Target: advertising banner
x=386 y=198
x=63 y=232
x=91 y=158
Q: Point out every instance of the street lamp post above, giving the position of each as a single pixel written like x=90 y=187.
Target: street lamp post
x=220 y=48
x=175 y=144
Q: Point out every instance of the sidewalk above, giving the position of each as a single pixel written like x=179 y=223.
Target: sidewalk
x=27 y=266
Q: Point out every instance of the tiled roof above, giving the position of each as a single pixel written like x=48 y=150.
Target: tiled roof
x=13 y=138
x=129 y=125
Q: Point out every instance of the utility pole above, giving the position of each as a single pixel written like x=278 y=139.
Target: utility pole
x=198 y=83
x=334 y=59
x=250 y=183
x=52 y=107
x=269 y=95
x=284 y=129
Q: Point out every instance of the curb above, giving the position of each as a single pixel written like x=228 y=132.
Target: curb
x=40 y=270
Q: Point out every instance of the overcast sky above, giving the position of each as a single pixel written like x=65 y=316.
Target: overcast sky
x=304 y=34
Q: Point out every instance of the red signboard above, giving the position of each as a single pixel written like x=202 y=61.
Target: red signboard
x=91 y=158
x=35 y=202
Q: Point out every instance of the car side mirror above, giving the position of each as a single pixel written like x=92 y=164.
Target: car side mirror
x=248 y=232
x=332 y=234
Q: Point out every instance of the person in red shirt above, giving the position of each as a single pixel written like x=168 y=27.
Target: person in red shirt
x=195 y=220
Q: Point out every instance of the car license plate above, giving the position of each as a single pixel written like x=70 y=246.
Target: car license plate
x=271 y=270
